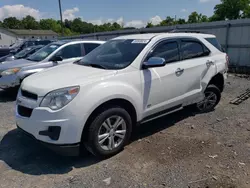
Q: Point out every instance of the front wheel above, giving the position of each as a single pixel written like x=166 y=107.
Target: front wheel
x=212 y=98
x=109 y=132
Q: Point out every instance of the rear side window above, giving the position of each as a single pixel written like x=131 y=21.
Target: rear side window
x=167 y=50
x=89 y=47
x=193 y=49
x=215 y=43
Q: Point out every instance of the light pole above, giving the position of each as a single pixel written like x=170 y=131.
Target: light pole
x=60 y=8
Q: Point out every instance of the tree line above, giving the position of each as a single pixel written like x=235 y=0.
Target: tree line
x=226 y=10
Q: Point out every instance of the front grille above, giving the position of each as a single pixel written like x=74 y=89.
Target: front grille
x=24 y=111
x=29 y=95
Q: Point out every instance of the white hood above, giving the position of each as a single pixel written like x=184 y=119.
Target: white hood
x=64 y=76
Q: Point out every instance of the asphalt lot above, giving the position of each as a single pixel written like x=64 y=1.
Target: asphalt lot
x=179 y=151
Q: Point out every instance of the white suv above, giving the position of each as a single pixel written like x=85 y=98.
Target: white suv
x=98 y=100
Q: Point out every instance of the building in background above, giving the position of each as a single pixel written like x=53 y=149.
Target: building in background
x=10 y=36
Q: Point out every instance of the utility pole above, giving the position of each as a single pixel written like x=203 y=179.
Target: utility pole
x=60 y=8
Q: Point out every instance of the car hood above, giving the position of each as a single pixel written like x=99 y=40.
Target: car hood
x=64 y=76
x=19 y=63
x=4 y=58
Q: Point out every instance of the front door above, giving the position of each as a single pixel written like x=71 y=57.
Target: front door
x=70 y=53
x=163 y=87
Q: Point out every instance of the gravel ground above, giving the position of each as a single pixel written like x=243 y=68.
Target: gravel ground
x=182 y=150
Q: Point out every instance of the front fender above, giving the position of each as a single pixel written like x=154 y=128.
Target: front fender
x=23 y=74
x=101 y=93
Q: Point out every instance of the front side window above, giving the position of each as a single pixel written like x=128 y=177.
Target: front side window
x=44 y=52
x=192 y=49
x=167 y=50
x=70 y=51
x=89 y=47
x=114 y=54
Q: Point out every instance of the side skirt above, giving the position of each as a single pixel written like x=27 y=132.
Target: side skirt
x=161 y=114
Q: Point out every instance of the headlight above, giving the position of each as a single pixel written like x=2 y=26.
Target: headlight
x=10 y=71
x=57 y=99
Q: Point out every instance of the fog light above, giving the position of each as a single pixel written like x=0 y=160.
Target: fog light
x=53 y=132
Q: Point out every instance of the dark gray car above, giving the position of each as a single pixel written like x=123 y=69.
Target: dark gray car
x=22 y=54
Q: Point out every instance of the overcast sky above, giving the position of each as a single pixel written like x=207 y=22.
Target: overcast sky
x=132 y=13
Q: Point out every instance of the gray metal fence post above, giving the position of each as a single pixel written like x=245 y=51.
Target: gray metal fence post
x=227 y=36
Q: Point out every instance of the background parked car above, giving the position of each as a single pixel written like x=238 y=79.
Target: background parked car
x=20 y=45
x=22 y=54
x=13 y=72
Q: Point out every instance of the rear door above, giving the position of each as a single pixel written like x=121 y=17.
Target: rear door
x=197 y=63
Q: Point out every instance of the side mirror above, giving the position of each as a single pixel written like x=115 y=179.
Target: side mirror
x=56 y=58
x=154 y=62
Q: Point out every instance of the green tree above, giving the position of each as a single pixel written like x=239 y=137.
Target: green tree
x=116 y=26
x=181 y=21
x=194 y=17
x=231 y=9
x=30 y=22
x=203 y=18
x=168 y=21
x=50 y=24
x=12 y=23
x=149 y=25
x=68 y=24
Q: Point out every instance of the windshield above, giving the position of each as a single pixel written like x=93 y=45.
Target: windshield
x=22 y=53
x=43 y=52
x=16 y=44
x=114 y=54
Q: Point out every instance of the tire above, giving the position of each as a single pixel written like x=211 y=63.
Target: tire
x=212 y=93
x=98 y=127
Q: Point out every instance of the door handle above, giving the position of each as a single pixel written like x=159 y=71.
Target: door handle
x=179 y=71
x=209 y=63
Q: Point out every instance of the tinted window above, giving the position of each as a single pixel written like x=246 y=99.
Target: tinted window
x=215 y=43
x=167 y=50
x=43 y=42
x=89 y=47
x=44 y=52
x=23 y=53
x=114 y=54
x=192 y=49
x=70 y=51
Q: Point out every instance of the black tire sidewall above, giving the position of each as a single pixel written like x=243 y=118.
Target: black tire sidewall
x=216 y=91
x=92 y=143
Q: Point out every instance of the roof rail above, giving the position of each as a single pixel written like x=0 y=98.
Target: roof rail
x=185 y=31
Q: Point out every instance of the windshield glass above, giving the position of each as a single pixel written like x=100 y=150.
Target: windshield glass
x=22 y=53
x=43 y=52
x=114 y=54
x=16 y=44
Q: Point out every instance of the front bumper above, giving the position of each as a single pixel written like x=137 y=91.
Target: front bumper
x=66 y=150
x=9 y=81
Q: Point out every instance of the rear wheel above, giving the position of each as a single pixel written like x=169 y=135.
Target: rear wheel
x=109 y=132
x=212 y=98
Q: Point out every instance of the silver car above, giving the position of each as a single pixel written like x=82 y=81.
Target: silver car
x=13 y=72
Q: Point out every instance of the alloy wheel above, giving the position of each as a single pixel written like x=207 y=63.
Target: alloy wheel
x=209 y=101
x=112 y=133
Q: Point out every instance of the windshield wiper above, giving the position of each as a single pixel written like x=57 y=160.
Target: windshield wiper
x=95 y=65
